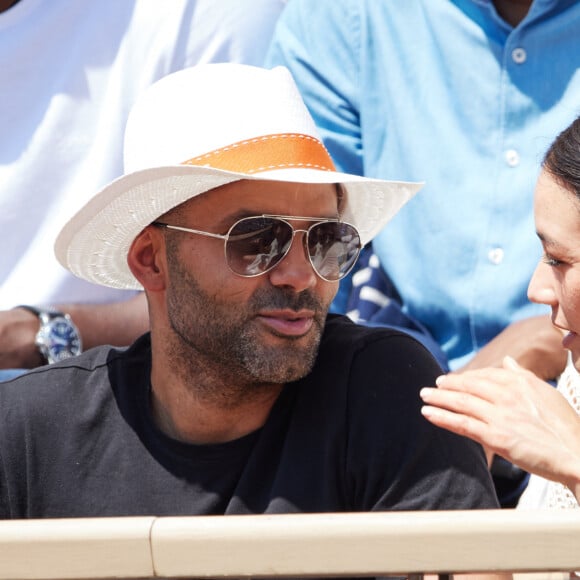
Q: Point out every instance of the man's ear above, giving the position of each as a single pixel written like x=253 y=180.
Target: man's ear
x=146 y=259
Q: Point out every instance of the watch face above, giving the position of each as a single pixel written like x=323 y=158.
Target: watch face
x=59 y=339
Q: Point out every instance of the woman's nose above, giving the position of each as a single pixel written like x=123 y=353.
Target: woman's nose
x=541 y=286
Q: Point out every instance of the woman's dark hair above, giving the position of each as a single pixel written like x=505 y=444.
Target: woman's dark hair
x=562 y=161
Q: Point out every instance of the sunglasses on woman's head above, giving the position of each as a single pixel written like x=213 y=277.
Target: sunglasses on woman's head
x=255 y=245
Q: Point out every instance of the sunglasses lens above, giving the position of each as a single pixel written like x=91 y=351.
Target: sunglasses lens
x=255 y=245
x=333 y=248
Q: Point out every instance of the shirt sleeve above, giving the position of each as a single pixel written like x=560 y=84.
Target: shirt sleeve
x=396 y=459
x=319 y=43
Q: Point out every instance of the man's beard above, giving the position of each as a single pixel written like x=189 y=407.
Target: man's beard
x=223 y=338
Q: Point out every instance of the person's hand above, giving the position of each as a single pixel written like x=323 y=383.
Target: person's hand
x=18 y=330
x=514 y=414
x=535 y=343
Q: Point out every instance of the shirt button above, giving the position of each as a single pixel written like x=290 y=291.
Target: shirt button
x=512 y=157
x=519 y=55
x=495 y=256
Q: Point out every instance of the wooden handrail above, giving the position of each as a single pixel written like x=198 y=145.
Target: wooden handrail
x=361 y=544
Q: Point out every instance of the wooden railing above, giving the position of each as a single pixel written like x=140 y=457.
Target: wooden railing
x=375 y=544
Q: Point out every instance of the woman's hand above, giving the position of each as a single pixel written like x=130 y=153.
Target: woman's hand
x=513 y=413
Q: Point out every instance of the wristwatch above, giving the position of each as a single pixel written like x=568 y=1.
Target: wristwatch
x=57 y=338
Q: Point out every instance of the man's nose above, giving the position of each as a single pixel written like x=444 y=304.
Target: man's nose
x=295 y=270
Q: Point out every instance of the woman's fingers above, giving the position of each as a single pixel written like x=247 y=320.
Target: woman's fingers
x=510 y=412
x=445 y=414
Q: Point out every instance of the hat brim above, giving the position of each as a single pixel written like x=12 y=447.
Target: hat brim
x=94 y=244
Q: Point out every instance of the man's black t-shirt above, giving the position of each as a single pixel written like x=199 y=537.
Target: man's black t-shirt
x=77 y=439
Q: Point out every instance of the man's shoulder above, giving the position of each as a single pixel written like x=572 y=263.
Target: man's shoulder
x=341 y=332
x=70 y=378
x=348 y=345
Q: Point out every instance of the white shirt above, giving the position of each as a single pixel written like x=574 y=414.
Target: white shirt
x=70 y=71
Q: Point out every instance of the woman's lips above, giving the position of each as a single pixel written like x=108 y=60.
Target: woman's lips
x=569 y=340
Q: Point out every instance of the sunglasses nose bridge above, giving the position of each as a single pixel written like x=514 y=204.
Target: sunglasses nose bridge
x=304 y=241
x=291 y=244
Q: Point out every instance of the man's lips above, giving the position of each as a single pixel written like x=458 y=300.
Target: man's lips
x=288 y=322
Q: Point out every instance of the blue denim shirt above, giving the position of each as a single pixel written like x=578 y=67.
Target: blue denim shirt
x=443 y=91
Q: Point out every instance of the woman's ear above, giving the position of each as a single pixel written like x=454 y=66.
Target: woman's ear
x=146 y=259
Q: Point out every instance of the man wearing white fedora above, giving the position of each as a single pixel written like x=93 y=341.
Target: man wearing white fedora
x=244 y=397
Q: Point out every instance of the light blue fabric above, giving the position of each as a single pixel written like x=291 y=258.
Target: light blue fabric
x=7 y=374
x=444 y=92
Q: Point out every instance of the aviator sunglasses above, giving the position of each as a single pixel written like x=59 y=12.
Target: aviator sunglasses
x=255 y=245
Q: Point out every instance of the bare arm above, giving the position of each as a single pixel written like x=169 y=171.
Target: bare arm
x=514 y=414
x=533 y=342
x=116 y=323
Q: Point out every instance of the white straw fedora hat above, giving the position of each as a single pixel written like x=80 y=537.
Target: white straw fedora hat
x=198 y=129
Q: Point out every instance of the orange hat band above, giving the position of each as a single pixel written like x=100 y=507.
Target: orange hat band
x=280 y=151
